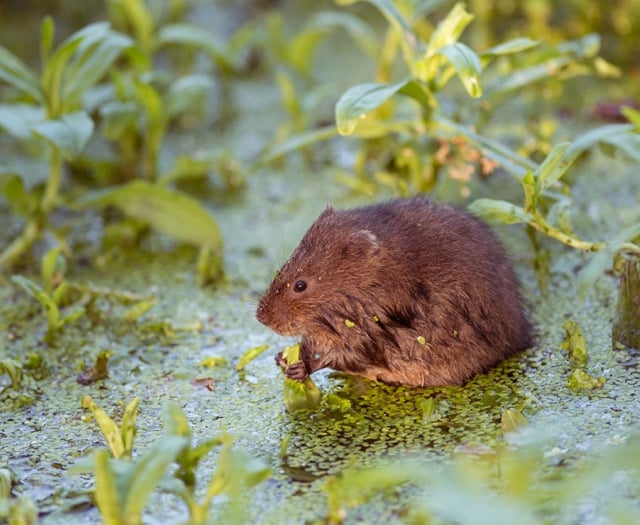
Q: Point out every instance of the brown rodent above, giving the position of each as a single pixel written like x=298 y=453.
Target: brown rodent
x=405 y=292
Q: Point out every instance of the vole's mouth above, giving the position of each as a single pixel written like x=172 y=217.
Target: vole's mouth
x=263 y=315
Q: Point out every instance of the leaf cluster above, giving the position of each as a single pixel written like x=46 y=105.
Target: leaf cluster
x=123 y=486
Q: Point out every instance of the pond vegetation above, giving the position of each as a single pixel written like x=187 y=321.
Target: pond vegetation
x=160 y=158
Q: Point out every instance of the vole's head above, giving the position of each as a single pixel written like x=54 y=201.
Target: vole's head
x=335 y=258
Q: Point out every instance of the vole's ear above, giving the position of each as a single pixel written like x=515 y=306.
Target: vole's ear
x=363 y=243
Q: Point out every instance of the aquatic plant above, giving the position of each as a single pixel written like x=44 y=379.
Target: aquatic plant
x=123 y=487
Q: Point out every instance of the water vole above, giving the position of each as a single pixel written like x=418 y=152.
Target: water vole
x=405 y=292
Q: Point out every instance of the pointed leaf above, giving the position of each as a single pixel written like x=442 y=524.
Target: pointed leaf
x=554 y=166
x=188 y=93
x=357 y=101
x=16 y=73
x=629 y=143
x=501 y=211
x=147 y=472
x=175 y=422
x=109 y=427
x=21 y=201
x=18 y=120
x=107 y=495
x=94 y=58
x=467 y=66
x=69 y=134
x=166 y=210
x=512 y=46
x=449 y=30
x=128 y=426
x=36 y=291
x=593 y=136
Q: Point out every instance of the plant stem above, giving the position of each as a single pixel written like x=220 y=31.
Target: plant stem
x=53 y=182
x=21 y=243
x=543 y=226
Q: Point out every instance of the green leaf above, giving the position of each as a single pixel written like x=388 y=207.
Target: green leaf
x=13 y=369
x=21 y=201
x=16 y=73
x=147 y=472
x=629 y=143
x=530 y=192
x=175 y=422
x=467 y=66
x=50 y=263
x=69 y=134
x=298 y=141
x=140 y=18
x=54 y=68
x=501 y=211
x=107 y=495
x=250 y=355
x=512 y=46
x=166 y=210
x=587 y=140
x=587 y=46
x=632 y=116
x=47 y=32
x=94 y=58
x=109 y=428
x=413 y=46
x=357 y=101
x=18 y=120
x=512 y=420
x=575 y=344
x=36 y=291
x=128 y=425
x=188 y=34
x=554 y=166
x=581 y=380
x=188 y=93
x=449 y=30
x=117 y=118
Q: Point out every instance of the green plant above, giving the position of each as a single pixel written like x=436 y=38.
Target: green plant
x=406 y=138
x=515 y=483
x=53 y=294
x=123 y=487
x=120 y=439
x=48 y=112
x=15 y=511
x=548 y=212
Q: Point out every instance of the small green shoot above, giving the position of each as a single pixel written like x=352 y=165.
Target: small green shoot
x=13 y=369
x=575 y=344
x=52 y=294
x=120 y=439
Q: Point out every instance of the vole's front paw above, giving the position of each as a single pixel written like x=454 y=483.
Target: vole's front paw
x=297 y=371
x=281 y=361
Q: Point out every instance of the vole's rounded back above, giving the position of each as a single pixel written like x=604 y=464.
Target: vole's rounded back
x=404 y=292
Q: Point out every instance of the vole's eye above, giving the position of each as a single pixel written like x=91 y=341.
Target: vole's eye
x=300 y=286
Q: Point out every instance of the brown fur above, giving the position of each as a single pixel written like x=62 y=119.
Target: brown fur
x=405 y=292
